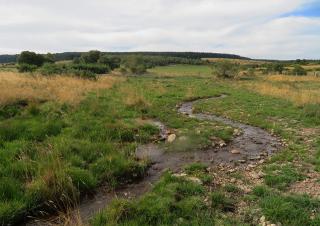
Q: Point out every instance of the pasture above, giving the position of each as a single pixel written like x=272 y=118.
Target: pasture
x=62 y=138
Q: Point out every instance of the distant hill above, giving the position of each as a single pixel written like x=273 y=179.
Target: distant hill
x=190 y=55
x=8 y=58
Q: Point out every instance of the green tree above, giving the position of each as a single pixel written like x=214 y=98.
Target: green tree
x=90 y=57
x=112 y=62
x=278 y=67
x=226 y=69
x=31 y=58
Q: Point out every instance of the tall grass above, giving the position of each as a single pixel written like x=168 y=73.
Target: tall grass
x=301 y=90
x=71 y=90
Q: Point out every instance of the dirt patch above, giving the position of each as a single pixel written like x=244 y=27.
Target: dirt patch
x=309 y=186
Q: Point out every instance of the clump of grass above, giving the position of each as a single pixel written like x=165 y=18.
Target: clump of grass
x=220 y=201
x=281 y=176
x=289 y=210
x=232 y=188
x=199 y=170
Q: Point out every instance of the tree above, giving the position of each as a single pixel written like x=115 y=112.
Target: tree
x=31 y=58
x=90 y=57
x=49 y=58
x=278 y=67
x=112 y=62
x=225 y=69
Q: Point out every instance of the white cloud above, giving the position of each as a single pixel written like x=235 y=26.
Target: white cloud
x=251 y=28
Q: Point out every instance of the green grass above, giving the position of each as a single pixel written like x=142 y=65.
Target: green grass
x=182 y=70
x=55 y=152
x=173 y=201
x=289 y=210
x=281 y=176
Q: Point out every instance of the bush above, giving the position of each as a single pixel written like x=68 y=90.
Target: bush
x=51 y=69
x=134 y=65
x=94 y=68
x=82 y=74
x=27 y=68
x=112 y=62
x=226 y=69
x=298 y=70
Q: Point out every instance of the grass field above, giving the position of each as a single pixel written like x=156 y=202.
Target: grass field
x=182 y=70
x=54 y=149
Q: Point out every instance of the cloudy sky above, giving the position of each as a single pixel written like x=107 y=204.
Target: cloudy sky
x=278 y=29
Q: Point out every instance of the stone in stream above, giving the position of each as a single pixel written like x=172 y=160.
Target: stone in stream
x=235 y=151
x=171 y=138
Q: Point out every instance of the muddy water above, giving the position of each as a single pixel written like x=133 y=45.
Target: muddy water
x=253 y=144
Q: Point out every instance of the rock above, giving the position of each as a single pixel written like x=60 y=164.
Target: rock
x=262 y=219
x=171 y=138
x=253 y=158
x=254 y=175
x=233 y=180
x=258 y=175
x=179 y=175
x=235 y=151
x=251 y=166
x=195 y=180
x=242 y=161
x=236 y=132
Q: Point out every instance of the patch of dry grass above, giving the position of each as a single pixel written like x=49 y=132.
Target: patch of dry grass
x=288 y=78
x=64 y=89
x=300 y=90
x=133 y=97
x=238 y=61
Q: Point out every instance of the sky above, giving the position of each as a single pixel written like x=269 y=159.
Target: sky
x=264 y=29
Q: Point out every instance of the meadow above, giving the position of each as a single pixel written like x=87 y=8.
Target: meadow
x=64 y=137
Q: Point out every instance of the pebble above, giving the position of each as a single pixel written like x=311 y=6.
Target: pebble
x=171 y=138
x=235 y=151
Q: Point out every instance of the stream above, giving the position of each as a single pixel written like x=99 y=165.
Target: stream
x=252 y=144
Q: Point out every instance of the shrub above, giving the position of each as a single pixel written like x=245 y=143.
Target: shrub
x=226 y=69
x=51 y=69
x=82 y=74
x=112 y=62
x=298 y=70
x=93 y=68
x=134 y=65
x=27 y=68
